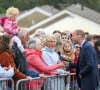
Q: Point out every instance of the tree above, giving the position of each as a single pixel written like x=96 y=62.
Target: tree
x=28 y=4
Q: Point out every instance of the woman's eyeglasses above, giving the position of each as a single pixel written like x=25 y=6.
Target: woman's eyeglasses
x=77 y=47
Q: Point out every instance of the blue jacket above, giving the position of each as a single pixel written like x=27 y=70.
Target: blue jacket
x=86 y=66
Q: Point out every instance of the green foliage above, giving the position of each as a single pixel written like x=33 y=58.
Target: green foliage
x=2 y=10
x=28 y=4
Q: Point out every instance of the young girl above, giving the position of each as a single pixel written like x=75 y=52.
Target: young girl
x=9 y=22
x=9 y=25
x=69 y=56
x=68 y=52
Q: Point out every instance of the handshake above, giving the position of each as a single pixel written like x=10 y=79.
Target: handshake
x=64 y=64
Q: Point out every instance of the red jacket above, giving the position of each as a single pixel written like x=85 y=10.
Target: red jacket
x=35 y=63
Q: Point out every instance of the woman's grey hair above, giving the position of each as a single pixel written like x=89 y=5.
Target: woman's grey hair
x=22 y=33
x=50 y=36
x=32 y=43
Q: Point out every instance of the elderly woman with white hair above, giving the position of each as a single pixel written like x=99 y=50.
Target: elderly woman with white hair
x=34 y=60
x=50 y=57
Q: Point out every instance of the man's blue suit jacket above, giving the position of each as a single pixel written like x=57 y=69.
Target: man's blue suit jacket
x=86 y=66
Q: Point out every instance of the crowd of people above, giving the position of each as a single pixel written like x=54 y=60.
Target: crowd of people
x=22 y=56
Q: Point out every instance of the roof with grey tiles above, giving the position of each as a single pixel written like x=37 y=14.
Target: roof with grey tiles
x=50 y=9
x=86 y=12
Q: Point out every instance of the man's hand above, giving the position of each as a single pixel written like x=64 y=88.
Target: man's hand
x=64 y=63
x=99 y=66
x=80 y=76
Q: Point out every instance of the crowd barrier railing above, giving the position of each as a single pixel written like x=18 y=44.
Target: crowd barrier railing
x=4 y=84
x=73 y=82
x=60 y=82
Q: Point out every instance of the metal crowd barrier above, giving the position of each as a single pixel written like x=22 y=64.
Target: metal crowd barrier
x=73 y=82
x=61 y=82
x=4 y=83
x=25 y=84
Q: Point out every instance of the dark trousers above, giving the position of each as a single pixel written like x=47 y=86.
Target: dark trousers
x=93 y=89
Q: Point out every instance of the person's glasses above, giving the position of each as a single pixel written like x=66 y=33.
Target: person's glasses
x=77 y=47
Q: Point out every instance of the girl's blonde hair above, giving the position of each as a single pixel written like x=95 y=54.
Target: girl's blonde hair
x=67 y=42
x=12 y=12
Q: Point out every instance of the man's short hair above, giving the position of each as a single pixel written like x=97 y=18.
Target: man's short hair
x=56 y=31
x=89 y=37
x=80 y=32
x=63 y=33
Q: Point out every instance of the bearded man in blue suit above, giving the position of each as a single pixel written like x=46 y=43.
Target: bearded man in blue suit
x=86 y=66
